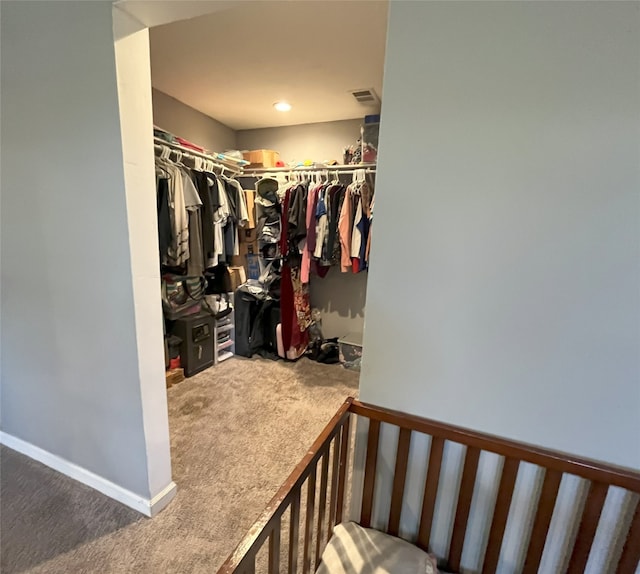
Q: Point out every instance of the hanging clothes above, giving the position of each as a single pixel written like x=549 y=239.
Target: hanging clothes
x=294 y=295
x=178 y=252
x=356 y=236
x=307 y=249
x=193 y=203
x=205 y=211
x=322 y=223
x=164 y=218
x=204 y=185
x=334 y=249
x=345 y=229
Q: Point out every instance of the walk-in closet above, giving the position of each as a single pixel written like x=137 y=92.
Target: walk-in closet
x=266 y=119
x=265 y=173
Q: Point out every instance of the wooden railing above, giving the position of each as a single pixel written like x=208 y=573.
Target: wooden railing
x=334 y=440
x=556 y=464
x=331 y=450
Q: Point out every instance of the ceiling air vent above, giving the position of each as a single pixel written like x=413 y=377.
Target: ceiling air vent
x=366 y=97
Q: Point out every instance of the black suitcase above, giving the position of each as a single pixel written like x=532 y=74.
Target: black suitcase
x=256 y=319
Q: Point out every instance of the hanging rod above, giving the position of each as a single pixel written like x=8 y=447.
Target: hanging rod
x=341 y=168
x=217 y=158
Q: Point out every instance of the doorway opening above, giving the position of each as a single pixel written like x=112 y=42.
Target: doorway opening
x=277 y=209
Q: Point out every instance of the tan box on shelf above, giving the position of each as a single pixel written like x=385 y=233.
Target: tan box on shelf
x=238 y=277
x=247 y=235
x=261 y=157
x=238 y=261
x=248 y=248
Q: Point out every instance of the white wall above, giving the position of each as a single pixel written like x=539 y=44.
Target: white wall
x=340 y=296
x=317 y=142
x=71 y=365
x=504 y=290
x=185 y=122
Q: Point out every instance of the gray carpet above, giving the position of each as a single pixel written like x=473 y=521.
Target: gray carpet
x=237 y=431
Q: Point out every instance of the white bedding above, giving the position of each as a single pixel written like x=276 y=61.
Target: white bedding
x=356 y=550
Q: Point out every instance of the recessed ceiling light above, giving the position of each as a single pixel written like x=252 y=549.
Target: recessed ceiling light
x=282 y=106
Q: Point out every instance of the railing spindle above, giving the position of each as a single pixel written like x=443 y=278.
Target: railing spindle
x=274 y=548
x=588 y=526
x=399 y=479
x=500 y=515
x=430 y=492
x=334 y=487
x=344 y=461
x=630 y=557
x=308 y=531
x=294 y=533
x=469 y=472
x=322 y=506
x=546 y=504
x=370 y=473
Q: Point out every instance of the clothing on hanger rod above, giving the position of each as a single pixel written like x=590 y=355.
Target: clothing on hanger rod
x=369 y=168
x=217 y=159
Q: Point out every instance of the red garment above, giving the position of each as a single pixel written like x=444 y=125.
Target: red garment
x=187 y=143
x=286 y=307
x=295 y=309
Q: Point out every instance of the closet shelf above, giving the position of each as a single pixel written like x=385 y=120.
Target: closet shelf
x=344 y=168
x=220 y=159
x=225 y=328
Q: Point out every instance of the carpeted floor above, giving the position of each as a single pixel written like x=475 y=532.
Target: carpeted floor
x=237 y=431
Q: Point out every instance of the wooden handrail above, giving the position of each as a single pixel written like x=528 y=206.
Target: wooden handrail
x=242 y=561
x=547 y=458
x=262 y=527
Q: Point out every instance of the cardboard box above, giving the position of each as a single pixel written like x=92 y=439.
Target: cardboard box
x=238 y=277
x=173 y=377
x=251 y=207
x=261 y=157
x=248 y=235
x=248 y=248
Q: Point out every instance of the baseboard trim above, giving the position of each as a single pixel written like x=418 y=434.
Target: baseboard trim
x=162 y=499
x=148 y=507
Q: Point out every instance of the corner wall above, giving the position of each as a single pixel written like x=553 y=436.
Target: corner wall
x=184 y=121
x=317 y=142
x=513 y=300
x=504 y=291
x=72 y=370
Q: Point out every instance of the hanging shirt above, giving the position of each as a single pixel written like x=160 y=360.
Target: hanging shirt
x=220 y=220
x=306 y=250
x=345 y=229
x=356 y=233
x=241 y=201
x=193 y=204
x=322 y=225
x=178 y=252
x=164 y=218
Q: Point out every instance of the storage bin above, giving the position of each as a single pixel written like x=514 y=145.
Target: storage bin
x=350 y=347
x=261 y=157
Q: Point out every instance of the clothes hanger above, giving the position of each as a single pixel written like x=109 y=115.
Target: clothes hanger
x=163 y=171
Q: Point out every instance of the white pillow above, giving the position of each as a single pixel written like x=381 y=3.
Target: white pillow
x=356 y=550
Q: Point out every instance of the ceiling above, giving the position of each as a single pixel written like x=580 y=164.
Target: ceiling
x=233 y=65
